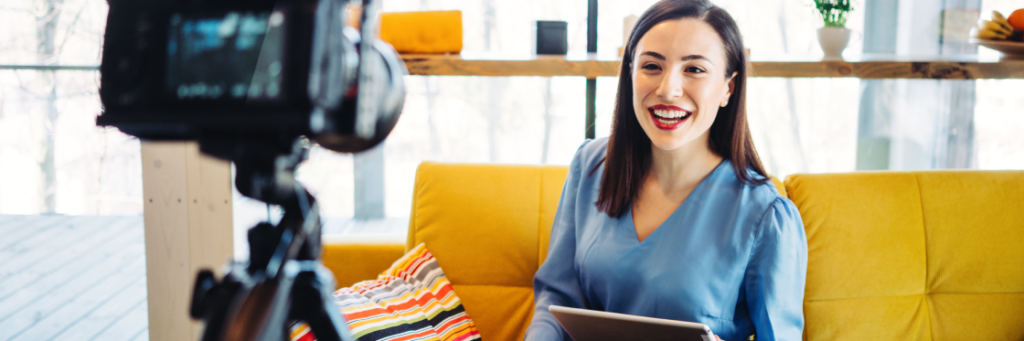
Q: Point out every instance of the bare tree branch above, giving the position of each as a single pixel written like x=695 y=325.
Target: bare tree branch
x=21 y=83
x=42 y=19
x=67 y=33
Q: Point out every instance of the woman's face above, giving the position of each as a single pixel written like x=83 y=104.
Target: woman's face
x=679 y=82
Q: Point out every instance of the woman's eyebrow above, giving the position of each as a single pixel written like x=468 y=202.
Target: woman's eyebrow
x=696 y=56
x=687 y=58
x=653 y=54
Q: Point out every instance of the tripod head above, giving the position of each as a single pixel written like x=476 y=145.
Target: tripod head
x=283 y=280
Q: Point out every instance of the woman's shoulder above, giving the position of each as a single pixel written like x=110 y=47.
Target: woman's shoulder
x=590 y=154
x=760 y=194
x=768 y=202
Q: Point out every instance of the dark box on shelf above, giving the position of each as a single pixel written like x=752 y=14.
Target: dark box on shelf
x=552 y=37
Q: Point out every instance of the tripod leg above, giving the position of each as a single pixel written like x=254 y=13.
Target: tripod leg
x=313 y=302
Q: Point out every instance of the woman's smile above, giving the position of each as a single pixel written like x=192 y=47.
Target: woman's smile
x=668 y=117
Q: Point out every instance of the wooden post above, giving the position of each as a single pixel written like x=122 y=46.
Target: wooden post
x=188 y=227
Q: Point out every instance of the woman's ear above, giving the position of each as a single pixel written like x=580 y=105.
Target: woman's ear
x=730 y=85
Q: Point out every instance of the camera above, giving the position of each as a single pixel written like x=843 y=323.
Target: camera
x=255 y=82
x=186 y=69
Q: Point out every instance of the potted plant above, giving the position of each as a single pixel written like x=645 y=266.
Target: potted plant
x=834 y=36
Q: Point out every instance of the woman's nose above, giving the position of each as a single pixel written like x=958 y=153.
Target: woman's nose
x=671 y=86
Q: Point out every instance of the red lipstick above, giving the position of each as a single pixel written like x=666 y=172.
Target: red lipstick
x=668 y=117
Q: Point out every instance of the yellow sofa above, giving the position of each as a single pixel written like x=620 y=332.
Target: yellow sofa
x=934 y=255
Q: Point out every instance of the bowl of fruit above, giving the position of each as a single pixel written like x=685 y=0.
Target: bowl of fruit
x=1003 y=34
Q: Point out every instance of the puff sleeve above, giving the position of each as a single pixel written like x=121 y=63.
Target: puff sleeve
x=557 y=282
x=775 y=277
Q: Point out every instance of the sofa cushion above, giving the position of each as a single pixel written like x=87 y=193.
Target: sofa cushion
x=974 y=232
x=355 y=258
x=499 y=312
x=485 y=224
x=913 y=255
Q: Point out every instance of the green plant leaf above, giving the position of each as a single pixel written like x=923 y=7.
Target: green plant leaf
x=833 y=12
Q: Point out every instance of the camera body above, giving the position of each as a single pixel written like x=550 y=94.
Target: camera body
x=187 y=70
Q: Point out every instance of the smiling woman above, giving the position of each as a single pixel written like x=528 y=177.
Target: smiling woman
x=671 y=216
x=697 y=62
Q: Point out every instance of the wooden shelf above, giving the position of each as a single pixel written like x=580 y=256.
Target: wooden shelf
x=590 y=66
x=541 y=66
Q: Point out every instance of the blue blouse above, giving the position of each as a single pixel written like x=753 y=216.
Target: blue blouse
x=732 y=256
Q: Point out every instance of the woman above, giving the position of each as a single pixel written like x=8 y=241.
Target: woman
x=673 y=216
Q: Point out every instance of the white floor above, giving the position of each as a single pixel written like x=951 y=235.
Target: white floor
x=84 y=277
x=72 y=278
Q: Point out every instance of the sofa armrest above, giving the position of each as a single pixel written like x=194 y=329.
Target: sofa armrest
x=355 y=258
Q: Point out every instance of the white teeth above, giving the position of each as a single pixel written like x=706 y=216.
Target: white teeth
x=670 y=113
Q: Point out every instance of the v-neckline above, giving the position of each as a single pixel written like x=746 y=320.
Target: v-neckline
x=700 y=186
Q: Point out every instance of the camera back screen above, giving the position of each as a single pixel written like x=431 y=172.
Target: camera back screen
x=232 y=57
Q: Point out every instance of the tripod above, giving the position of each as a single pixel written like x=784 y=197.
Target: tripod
x=283 y=280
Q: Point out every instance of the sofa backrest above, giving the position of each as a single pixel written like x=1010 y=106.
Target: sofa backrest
x=488 y=227
x=933 y=255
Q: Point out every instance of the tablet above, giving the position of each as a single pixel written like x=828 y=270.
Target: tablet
x=592 y=325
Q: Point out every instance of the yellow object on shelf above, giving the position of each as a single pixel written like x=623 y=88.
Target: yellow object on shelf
x=423 y=32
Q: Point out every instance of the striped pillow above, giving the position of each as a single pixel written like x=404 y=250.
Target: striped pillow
x=412 y=300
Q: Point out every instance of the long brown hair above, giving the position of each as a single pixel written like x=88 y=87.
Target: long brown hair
x=628 y=158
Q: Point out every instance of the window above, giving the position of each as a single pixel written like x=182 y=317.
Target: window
x=54 y=159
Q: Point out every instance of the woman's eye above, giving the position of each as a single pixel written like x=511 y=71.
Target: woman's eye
x=651 y=67
x=694 y=69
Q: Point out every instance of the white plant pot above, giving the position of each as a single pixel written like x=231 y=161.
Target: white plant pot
x=833 y=41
